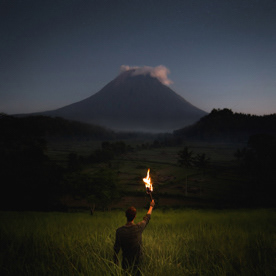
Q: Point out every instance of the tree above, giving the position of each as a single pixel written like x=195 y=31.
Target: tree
x=100 y=189
x=73 y=162
x=201 y=161
x=185 y=157
x=105 y=189
x=31 y=179
x=258 y=165
x=240 y=153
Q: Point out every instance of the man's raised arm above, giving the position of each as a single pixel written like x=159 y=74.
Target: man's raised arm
x=151 y=207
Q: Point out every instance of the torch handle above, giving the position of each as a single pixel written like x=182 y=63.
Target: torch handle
x=150 y=196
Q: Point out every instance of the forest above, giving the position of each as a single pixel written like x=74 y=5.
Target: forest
x=225 y=125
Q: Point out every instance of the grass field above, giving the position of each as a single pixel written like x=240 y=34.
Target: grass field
x=176 y=242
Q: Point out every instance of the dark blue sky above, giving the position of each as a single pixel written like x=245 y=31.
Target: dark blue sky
x=220 y=53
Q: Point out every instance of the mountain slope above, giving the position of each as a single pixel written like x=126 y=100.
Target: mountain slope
x=225 y=125
x=133 y=102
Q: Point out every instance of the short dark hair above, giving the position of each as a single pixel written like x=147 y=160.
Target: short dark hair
x=130 y=213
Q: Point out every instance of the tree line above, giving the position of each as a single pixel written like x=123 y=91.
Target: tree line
x=32 y=181
x=225 y=125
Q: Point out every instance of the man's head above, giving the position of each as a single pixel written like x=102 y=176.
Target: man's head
x=130 y=213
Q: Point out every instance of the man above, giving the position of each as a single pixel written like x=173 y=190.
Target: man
x=129 y=238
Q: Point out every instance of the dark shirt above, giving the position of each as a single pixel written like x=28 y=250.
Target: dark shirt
x=129 y=238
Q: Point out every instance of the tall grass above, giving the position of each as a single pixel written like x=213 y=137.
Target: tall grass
x=181 y=242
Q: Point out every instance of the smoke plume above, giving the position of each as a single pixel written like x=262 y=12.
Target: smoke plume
x=160 y=72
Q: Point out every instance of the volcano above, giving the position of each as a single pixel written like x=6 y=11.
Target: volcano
x=133 y=102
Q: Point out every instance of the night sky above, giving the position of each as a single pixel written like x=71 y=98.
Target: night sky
x=220 y=53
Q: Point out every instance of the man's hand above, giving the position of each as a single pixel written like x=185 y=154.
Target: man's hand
x=152 y=203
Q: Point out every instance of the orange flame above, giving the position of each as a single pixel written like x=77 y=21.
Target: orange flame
x=147 y=181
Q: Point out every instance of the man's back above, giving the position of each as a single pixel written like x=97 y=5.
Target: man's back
x=129 y=238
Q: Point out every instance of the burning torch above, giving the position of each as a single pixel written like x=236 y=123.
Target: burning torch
x=148 y=184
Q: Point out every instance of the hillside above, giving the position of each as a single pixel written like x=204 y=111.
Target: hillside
x=51 y=127
x=225 y=125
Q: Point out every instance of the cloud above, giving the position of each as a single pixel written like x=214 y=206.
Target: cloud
x=160 y=72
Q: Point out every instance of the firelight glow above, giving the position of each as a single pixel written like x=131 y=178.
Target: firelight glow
x=148 y=182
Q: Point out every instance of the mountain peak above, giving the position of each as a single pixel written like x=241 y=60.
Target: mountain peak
x=159 y=72
x=138 y=99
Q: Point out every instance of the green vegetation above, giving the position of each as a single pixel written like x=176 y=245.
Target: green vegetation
x=74 y=166
x=51 y=164
x=181 y=242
